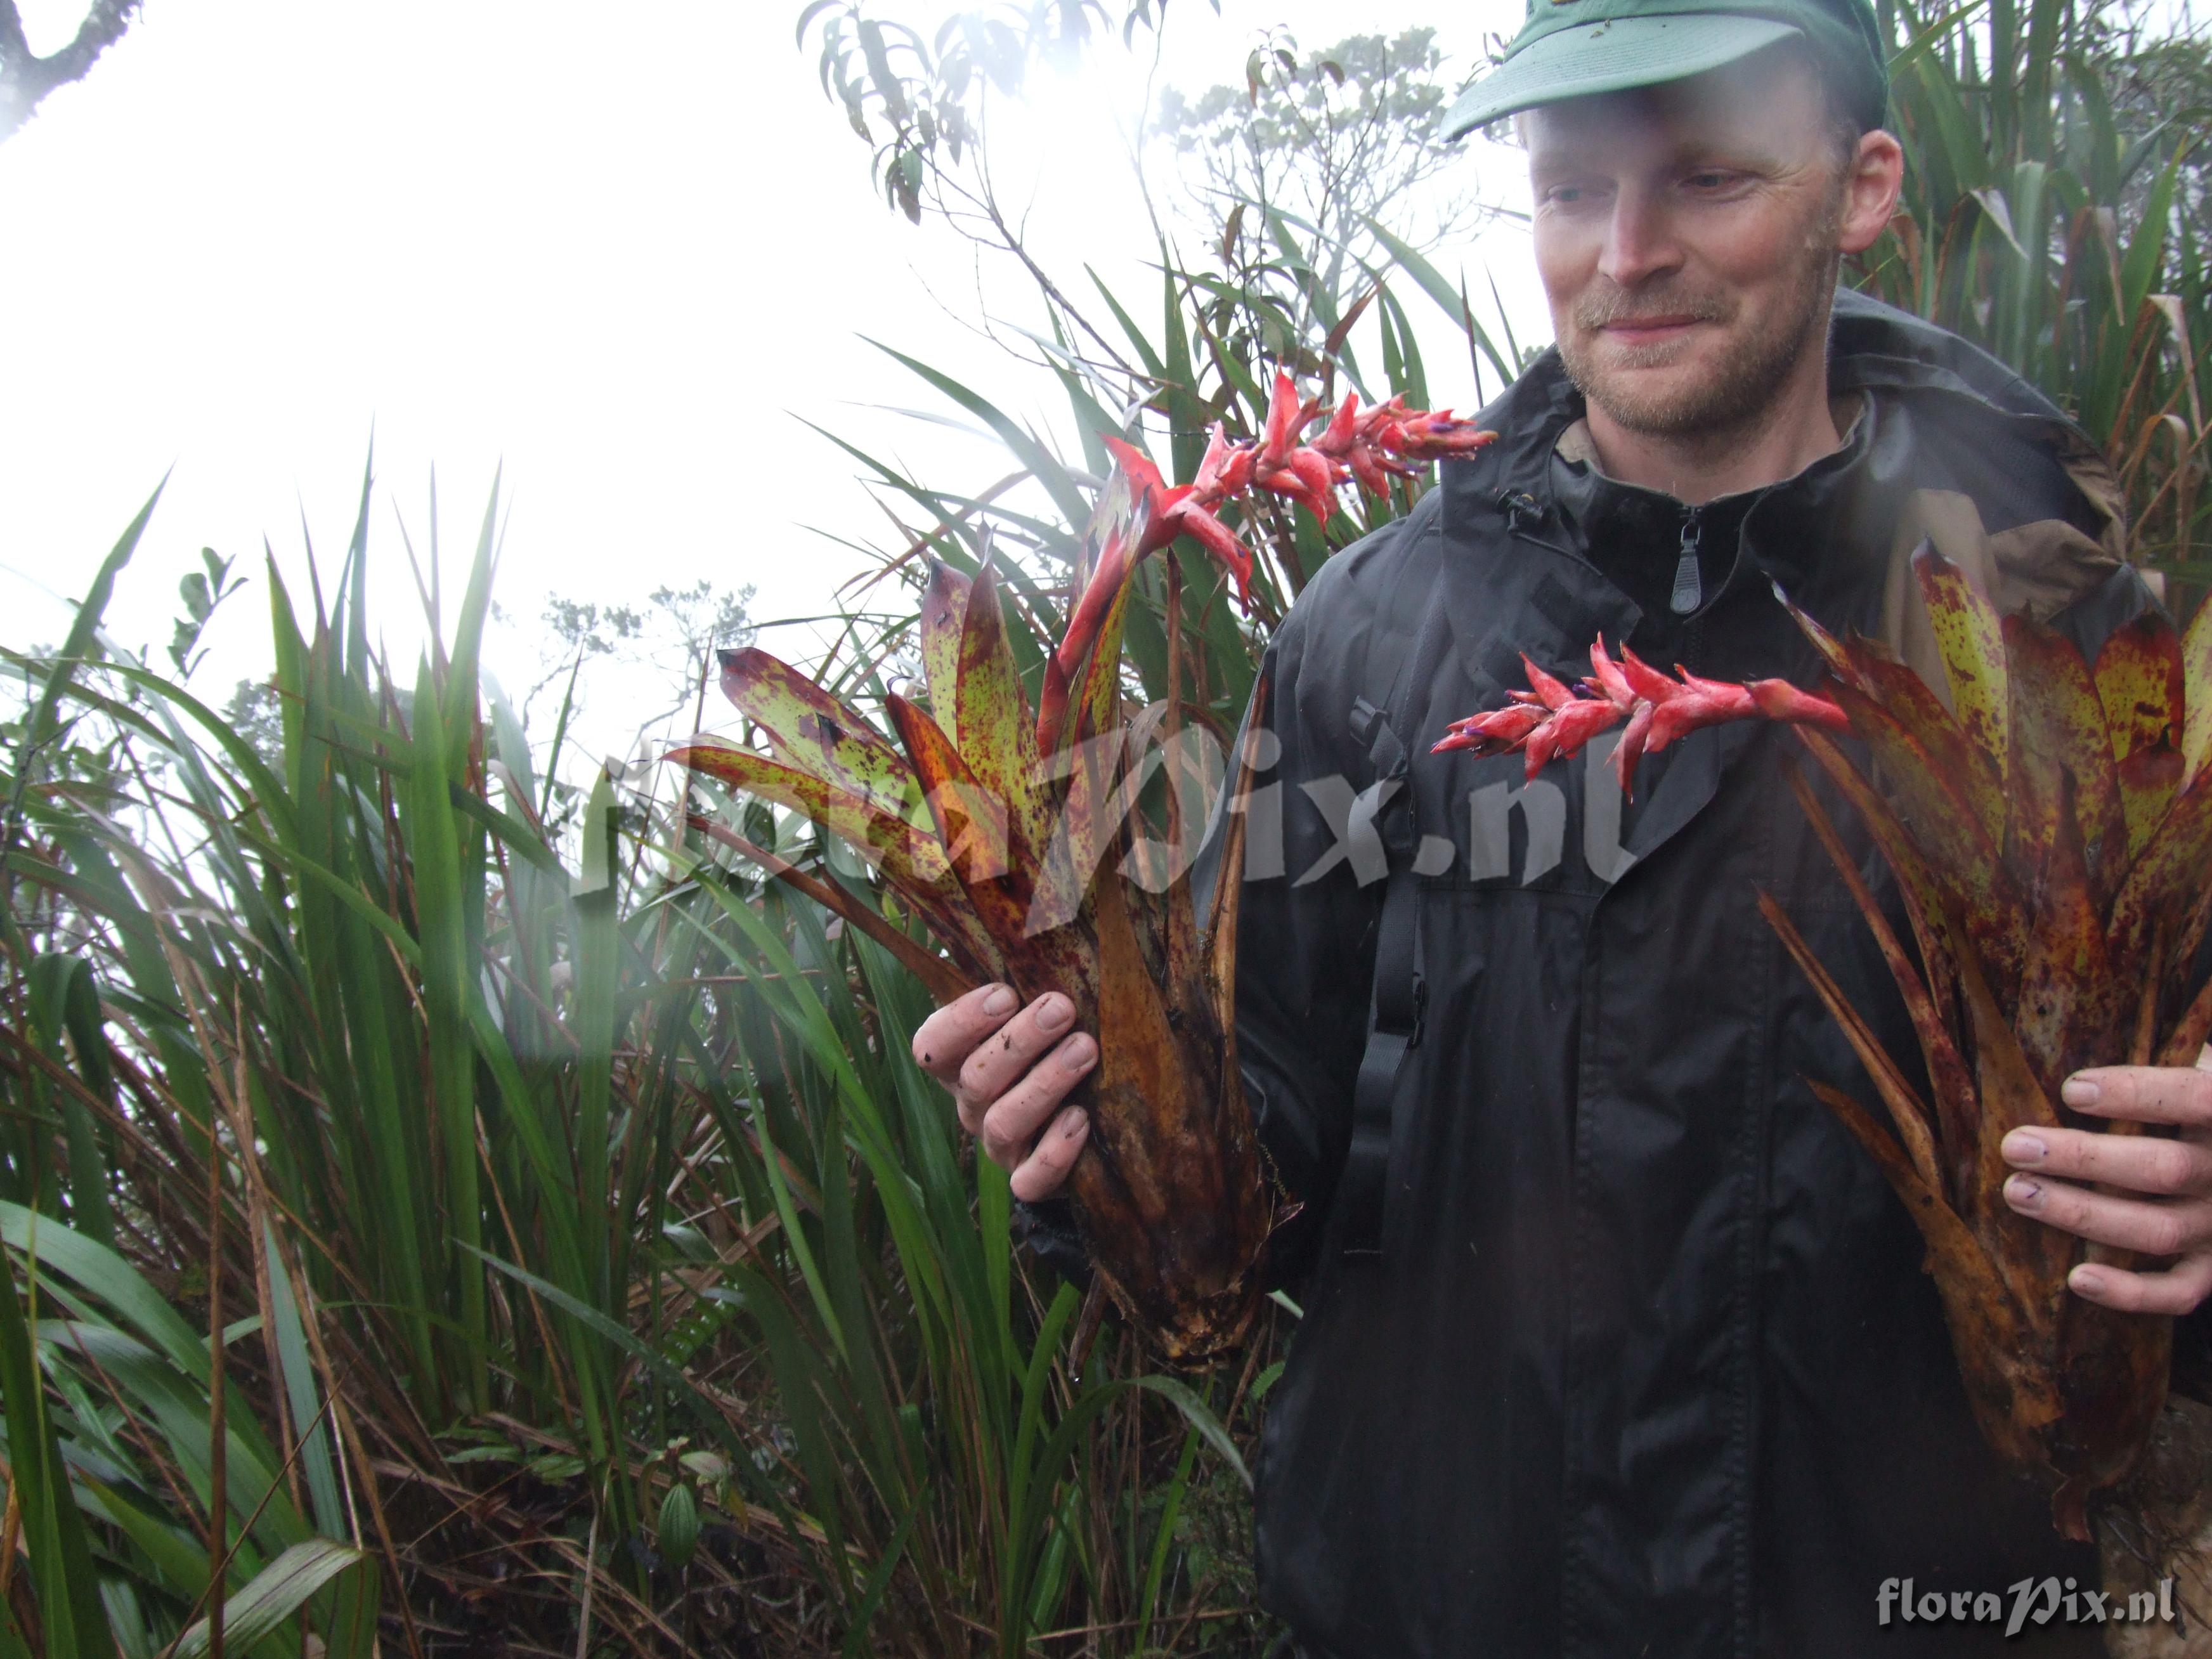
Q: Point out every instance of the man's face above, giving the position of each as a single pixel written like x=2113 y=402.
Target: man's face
x=1687 y=237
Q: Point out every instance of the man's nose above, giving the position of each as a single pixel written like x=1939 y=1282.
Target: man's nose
x=1639 y=241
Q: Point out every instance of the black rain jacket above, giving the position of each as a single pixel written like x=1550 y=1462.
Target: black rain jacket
x=1648 y=1364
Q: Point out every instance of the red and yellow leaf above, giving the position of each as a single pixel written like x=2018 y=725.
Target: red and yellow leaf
x=971 y=820
x=909 y=857
x=1952 y=846
x=2031 y=1254
x=1972 y=648
x=1100 y=703
x=2072 y=1011
x=1993 y=928
x=2058 y=727
x=999 y=887
x=1103 y=591
x=2167 y=881
x=1093 y=804
x=1972 y=773
x=817 y=734
x=944 y=616
x=2139 y=683
x=2196 y=683
x=1906 y=1109
x=1087 y=769
x=1950 y=1082
x=998 y=734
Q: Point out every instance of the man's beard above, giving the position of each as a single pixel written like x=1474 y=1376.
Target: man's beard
x=1737 y=397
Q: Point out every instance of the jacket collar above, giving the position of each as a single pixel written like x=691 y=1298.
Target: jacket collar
x=1872 y=348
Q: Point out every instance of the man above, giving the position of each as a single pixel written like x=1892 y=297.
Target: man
x=1614 y=1342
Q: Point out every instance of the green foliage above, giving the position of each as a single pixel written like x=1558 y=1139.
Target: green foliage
x=2056 y=214
x=506 y=1163
x=201 y=590
x=917 y=101
x=1331 y=138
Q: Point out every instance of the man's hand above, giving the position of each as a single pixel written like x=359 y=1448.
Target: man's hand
x=2173 y=1218
x=1009 y=1072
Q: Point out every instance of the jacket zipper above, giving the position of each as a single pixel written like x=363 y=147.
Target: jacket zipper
x=1689 y=590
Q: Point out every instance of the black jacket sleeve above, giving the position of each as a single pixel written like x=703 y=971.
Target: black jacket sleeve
x=1306 y=926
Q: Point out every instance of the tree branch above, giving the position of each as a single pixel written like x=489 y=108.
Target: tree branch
x=25 y=80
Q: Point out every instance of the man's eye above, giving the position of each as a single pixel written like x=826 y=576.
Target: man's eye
x=1711 y=179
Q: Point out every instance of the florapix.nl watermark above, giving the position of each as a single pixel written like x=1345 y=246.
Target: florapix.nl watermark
x=2030 y=1602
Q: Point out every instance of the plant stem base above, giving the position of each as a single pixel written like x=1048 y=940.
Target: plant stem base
x=2158 y=1524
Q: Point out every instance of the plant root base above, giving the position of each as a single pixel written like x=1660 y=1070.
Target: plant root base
x=2158 y=1524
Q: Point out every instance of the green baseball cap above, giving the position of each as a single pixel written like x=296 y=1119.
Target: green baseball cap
x=1575 y=48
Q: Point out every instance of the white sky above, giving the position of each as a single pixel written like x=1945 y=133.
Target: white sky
x=619 y=249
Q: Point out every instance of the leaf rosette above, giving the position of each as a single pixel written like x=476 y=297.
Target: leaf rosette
x=1003 y=828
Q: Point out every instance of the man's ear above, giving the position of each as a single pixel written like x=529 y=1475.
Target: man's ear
x=1876 y=176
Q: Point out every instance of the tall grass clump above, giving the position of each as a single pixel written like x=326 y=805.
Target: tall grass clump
x=2056 y=214
x=415 y=1209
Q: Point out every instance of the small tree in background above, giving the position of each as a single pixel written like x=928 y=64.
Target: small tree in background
x=25 y=78
x=1327 y=142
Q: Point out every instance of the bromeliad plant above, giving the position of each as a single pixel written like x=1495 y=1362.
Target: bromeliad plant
x=2051 y=833
x=992 y=827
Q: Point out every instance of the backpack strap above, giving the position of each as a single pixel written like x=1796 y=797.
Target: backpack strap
x=1394 y=1009
x=1401 y=995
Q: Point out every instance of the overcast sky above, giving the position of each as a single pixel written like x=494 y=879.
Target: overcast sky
x=620 y=250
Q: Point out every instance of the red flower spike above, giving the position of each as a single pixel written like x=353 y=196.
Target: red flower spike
x=1145 y=478
x=1219 y=540
x=1555 y=695
x=1210 y=486
x=1649 y=682
x=1282 y=412
x=1369 y=468
x=1495 y=733
x=1428 y=436
x=1312 y=470
x=1778 y=700
x=1542 y=744
x=1549 y=721
x=1630 y=749
x=1609 y=678
x=1169 y=512
x=1679 y=716
x=1367 y=444
x=1343 y=430
x=1236 y=471
x=1583 y=720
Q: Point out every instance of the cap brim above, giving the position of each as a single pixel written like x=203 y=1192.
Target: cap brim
x=1612 y=55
